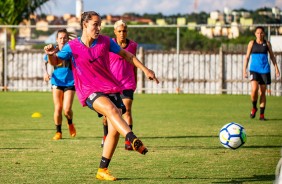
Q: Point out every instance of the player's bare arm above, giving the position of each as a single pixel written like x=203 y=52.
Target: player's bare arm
x=133 y=60
x=51 y=51
x=273 y=59
x=247 y=58
x=46 y=77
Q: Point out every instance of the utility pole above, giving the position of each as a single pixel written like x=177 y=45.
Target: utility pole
x=79 y=8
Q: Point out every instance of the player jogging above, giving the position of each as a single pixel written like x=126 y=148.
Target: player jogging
x=259 y=68
x=62 y=87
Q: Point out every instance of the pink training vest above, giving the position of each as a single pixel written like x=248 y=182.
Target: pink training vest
x=91 y=69
x=122 y=69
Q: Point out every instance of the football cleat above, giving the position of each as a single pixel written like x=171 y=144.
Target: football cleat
x=138 y=146
x=104 y=174
x=57 y=136
x=72 y=130
x=253 y=112
x=127 y=145
x=261 y=117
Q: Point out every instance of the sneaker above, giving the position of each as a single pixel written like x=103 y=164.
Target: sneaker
x=104 y=174
x=253 y=112
x=138 y=146
x=72 y=130
x=57 y=136
x=261 y=117
x=103 y=140
x=127 y=145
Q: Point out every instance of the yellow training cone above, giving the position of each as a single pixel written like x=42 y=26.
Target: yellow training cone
x=36 y=115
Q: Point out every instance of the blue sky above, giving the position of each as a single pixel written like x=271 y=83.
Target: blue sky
x=166 y=7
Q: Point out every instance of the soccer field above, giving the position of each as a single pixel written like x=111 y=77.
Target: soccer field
x=180 y=131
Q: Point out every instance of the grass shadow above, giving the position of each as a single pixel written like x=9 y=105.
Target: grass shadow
x=254 y=178
x=15 y=130
x=17 y=148
x=214 y=147
x=265 y=146
x=180 y=137
x=200 y=136
x=274 y=119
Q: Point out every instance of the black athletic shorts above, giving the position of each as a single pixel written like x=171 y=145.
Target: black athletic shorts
x=128 y=93
x=63 y=88
x=114 y=97
x=262 y=79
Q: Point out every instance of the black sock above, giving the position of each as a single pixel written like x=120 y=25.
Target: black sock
x=59 y=128
x=254 y=104
x=104 y=162
x=130 y=136
x=262 y=110
x=69 y=121
x=130 y=126
x=105 y=127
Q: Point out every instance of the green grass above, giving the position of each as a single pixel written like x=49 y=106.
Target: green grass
x=181 y=132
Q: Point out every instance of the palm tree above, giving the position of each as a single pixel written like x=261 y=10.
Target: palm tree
x=13 y=12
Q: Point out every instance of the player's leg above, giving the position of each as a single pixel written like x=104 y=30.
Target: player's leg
x=67 y=106
x=108 y=150
x=111 y=141
x=116 y=126
x=262 y=101
x=264 y=81
x=127 y=116
x=105 y=129
x=58 y=106
x=106 y=107
x=254 y=97
x=127 y=99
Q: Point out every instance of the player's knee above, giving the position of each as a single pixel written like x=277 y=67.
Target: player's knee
x=67 y=112
x=127 y=112
x=262 y=94
x=112 y=110
x=58 y=110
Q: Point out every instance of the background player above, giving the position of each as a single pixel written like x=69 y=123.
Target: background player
x=62 y=88
x=259 y=68
x=125 y=73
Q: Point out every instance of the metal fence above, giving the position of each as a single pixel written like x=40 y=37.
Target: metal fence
x=202 y=73
x=178 y=71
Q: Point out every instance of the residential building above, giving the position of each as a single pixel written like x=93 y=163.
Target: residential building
x=42 y=25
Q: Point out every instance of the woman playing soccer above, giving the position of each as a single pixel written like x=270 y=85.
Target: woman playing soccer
x=95 y=85
x=125 y=73
x=62 y=87
x=259 y=68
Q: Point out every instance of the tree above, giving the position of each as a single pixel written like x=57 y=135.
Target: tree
x=13 y=12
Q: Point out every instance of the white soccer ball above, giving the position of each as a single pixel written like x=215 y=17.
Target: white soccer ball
x=232 y=135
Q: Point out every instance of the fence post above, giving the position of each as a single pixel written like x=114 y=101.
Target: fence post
x=2 y=67
x=177 y=55
x=140 y=74
x=5 y=65
x=221 y=72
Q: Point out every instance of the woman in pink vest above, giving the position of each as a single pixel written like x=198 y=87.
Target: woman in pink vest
x=125 y=73
x=96 y=86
